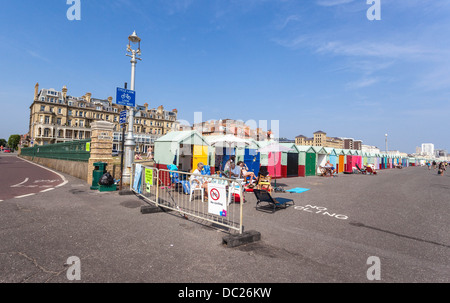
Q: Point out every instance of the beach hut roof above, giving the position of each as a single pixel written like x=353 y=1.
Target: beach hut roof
x=184 y=137
x=302 y=148
x=330 y=151
x=348 y=152
x=317 y=150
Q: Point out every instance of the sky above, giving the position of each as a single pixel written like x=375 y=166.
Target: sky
x=310 y=64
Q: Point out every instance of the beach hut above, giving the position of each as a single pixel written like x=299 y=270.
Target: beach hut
x=358 y=158
x=365 y=158
x=272 y=161
x=316 y=157
x=340 y=160
x=225 y=146
x=302 y=149
x=349 y=161
x=332 y=156
x=289 y=161
x=250 y=156
x=185 y=149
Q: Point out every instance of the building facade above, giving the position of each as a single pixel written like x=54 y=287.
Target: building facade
x=57 y=117
x=320 y=139
x=428 y=149
x=230 y=127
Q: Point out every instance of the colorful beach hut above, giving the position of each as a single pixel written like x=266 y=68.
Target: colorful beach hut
x=185 y=149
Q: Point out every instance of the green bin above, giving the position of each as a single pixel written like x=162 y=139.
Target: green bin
x=97 y=174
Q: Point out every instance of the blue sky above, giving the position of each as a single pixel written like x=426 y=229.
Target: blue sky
x=311 y=64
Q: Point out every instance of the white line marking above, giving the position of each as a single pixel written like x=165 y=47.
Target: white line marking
x=50 y=189
x=1 y=200
x=61 y=176
x=18 y=185
x=24 y=196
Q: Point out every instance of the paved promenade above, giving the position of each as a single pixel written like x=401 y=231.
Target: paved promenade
x=399 y=216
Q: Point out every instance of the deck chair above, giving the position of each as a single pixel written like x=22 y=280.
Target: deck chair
x=325 y=171
x=362 y=171
x=264 y=183
x=370 y=170
x=263 y=196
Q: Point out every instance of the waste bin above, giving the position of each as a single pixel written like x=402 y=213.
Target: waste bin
x=97 y=174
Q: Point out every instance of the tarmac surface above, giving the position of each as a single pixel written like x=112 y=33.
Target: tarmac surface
x=399 y=216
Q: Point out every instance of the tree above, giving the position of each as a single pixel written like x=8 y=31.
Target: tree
x=13 y=141
x=3 y=142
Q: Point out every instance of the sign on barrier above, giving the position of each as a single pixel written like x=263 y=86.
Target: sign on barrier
x=217 y=204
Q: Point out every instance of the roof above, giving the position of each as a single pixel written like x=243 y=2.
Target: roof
x=317 y=150
x=320 y=132
x=181 y=136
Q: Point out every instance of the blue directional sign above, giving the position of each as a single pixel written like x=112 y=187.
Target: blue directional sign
x=126 y=97
x=123 y=117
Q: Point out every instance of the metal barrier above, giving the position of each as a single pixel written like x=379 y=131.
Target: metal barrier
x=212 y=199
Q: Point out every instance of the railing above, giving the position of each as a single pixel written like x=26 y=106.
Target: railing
x=70 y=151
x=219 y=201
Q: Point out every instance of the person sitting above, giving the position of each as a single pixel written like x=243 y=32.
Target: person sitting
x=246 y=173
x=198 y=181
x=228 y=164
x=330 y=167
x=234 y=172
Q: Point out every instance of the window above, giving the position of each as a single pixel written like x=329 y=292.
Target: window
x=70 y=112
x=47 y=120
x=59 y=111
x=58 y=121
x=42 y=108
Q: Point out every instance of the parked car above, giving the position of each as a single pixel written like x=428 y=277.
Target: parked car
x=7 y=150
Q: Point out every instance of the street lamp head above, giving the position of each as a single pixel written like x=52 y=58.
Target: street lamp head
x=135 y=40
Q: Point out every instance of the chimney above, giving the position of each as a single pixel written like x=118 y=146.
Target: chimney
x=146 y=106
x=88 y=97
x=36 y=91
x=110 y=100
x=64 y=91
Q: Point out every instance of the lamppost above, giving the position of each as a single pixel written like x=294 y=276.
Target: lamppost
x=130 y=144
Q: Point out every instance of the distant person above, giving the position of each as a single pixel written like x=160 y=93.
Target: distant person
x=434 y=164
x=441 y=169
x=429 y=165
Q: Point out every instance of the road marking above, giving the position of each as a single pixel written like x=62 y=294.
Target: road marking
x=24 y=196
x=50 y=189
x=60 y=175
x=18 y=185
x=1 y=200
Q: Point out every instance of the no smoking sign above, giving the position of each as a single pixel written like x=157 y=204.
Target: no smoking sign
x=217 y=200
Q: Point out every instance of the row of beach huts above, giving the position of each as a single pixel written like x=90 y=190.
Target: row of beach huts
x=186 y=149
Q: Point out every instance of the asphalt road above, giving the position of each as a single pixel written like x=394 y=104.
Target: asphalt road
x=399 y=216
x=21 y=179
